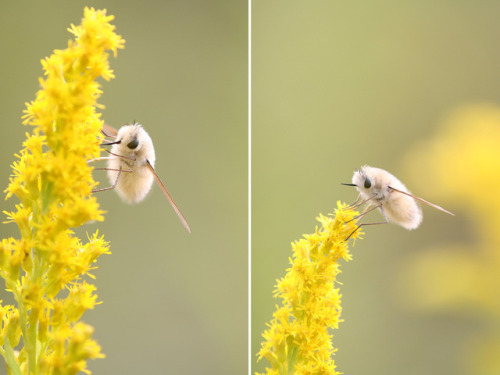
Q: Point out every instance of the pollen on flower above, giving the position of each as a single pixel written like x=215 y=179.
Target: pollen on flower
x=45 y=268
x=297 y=339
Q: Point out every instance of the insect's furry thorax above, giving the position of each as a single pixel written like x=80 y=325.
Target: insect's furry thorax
x=377 y=189
x=135 y=135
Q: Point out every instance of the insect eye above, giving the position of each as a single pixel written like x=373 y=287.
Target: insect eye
x=133 y=144
x=368 y=183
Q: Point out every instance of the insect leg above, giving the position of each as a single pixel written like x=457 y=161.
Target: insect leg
x=353 y=205
x=98 y=159
x=114 y=183
x=368 y=209
x=110 y=169
x=377 y=223
x=119 y=156
x=363 y=224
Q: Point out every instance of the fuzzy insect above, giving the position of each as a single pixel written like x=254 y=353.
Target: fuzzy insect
x=380 y=189
x=131 y=165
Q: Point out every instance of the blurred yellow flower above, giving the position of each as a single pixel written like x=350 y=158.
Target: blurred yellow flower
x=53 y=182
x=297 y=340
x=463 y=162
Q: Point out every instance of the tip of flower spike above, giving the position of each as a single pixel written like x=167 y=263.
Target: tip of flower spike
x=343 y=222
x=310 y=302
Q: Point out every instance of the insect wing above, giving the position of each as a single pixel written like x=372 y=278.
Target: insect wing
x=164 y=189
x=109 y=131
x=423 y=200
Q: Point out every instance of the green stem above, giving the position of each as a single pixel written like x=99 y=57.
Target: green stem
x=33 y=335
x=10 y=358
x=29 y=336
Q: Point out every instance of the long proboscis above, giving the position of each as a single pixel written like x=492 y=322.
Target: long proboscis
x=422 y=200
x=164 y=189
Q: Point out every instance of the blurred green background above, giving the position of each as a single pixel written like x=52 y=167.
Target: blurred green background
x=172 y=302
x=340 y=84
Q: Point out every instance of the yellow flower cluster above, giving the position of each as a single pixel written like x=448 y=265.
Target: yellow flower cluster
x=44 y=269
x=463 y=161
x=297 y=340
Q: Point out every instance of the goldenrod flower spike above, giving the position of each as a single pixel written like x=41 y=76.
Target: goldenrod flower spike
x=297 y=339
x=53 y=182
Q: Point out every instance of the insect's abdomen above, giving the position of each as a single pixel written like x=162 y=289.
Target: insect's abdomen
x=404 y=211
x=133 y=186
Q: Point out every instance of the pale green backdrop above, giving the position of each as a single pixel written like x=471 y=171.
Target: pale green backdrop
x=173 y=303
x=339 y=84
